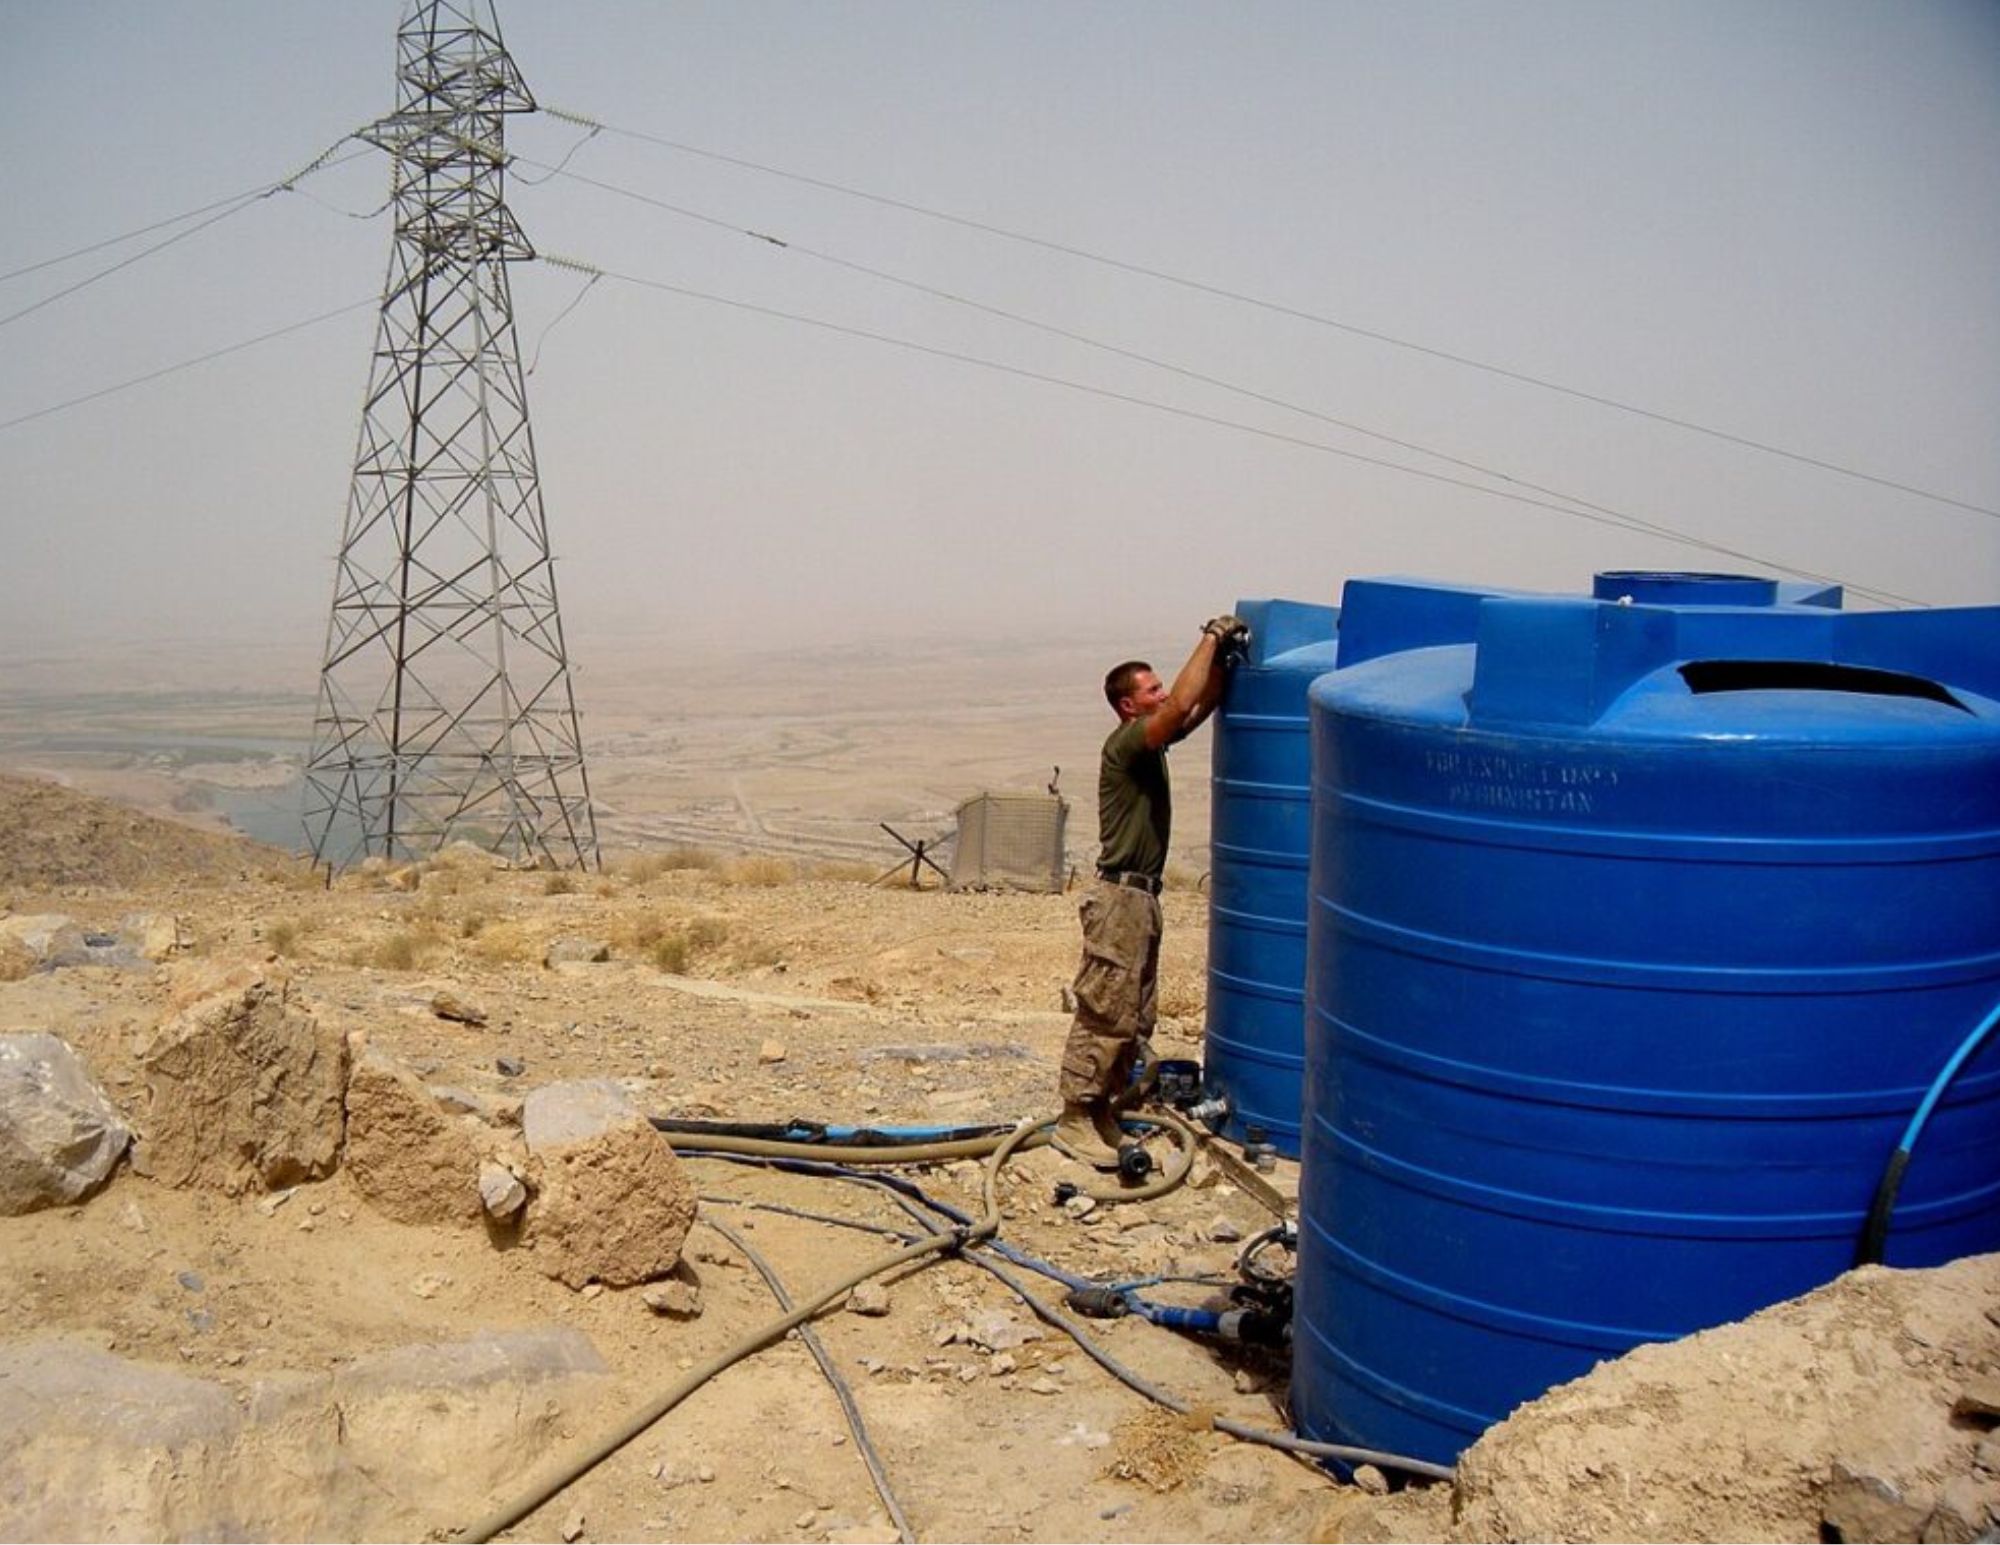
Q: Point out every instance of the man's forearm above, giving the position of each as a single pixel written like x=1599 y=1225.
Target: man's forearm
x=1194 y=694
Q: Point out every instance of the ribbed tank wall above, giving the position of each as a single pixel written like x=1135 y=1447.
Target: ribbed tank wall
x=1260 y=833
x=1636 y=935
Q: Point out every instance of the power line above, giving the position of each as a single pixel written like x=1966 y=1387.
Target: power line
x=223 y=209
x=160 y=225
x=1280 y=309
x=1619 y=522
x=1616 y=516
x=188 y=364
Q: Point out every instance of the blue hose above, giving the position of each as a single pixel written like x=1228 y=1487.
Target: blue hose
x=1875 y=1232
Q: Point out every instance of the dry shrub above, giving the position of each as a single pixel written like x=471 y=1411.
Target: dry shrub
x=402 y=950
x=671 y=953
x=284 y=935
x=558 y=882
x=675 y=948
x=754 y=953
x=470 y=925
x=642 y=867
x=760 y=869
x=1160 y=1448
x=842 y=869
x=508 y=941
x=301 y=876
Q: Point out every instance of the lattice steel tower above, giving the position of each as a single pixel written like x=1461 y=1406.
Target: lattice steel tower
x=445 y=705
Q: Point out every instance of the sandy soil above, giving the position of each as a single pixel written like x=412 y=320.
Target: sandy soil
x=747 y=989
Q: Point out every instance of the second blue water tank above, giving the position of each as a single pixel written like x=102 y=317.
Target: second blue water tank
x=1260 y=808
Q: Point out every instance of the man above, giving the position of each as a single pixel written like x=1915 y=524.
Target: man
x=1117 y=983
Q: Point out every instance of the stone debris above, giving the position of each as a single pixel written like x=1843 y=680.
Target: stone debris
x=509 y=1067
x=1979 y=1400
x=447 y=1004
x=572 y=1528
x=156 y=936
x=1857 y=1506
x=60 y=1138
x=1223 y=1231
x=431 y=1283
x=501 y=1193
x=612 y=1202
x=570 y=950
x=771 y=1052
x=676 y=1299
x=869 y=1298
x=245 y=1090
x=1371 y=1480
x=411 y=1158
x=495 y=1110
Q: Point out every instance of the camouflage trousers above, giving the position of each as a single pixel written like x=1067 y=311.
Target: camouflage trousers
x=1117 y=991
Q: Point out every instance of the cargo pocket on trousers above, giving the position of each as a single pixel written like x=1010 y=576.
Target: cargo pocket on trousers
x=1102 y=978
x=1100 y=984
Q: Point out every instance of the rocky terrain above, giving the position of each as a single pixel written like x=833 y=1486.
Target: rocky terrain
x=357 y=1225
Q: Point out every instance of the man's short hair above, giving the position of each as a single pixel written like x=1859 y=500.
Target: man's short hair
x=1123 y=680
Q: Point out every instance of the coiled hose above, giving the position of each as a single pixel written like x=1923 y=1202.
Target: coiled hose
x=929 y=1152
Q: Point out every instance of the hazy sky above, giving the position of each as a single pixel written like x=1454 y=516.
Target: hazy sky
x=1777 y=219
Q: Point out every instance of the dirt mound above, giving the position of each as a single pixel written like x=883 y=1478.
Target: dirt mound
x=1841 y=1414
x=52 y=836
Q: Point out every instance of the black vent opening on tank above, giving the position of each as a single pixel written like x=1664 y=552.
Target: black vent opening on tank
x=1810 y=676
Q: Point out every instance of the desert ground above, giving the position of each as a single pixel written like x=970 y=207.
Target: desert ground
x=213 y=1344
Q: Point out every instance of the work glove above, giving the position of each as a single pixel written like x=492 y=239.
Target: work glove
x=1227 y=627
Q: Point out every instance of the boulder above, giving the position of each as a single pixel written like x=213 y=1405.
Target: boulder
x=97 y=1447
x=612 y=1203
x=414 y=1160
x=573 y=951
x=156 y=936
x=245 y=1091
x=59 y=1136
x=25 y=942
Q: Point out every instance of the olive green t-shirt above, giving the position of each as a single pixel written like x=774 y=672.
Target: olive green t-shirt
x=1135 y=812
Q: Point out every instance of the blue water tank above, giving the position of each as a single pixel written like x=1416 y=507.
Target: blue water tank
x=1638 y=928
x=1260 y=834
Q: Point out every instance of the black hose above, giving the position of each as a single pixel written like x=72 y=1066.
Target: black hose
x=845 y=1395
x=906 y=1192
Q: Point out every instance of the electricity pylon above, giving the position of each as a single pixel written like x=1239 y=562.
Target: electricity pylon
x=445 y=705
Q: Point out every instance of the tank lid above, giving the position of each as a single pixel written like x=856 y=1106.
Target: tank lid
x=1668 y=587
x=1653 y=587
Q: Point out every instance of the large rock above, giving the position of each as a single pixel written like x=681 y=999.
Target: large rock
x=59 y=1136
x=392 y=1446
x=412 y=1158
x=245 y=1091
x=612 y=1203
x=25 y=942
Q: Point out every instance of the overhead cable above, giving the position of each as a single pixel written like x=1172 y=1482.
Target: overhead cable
x=222 y=212
x=160 y=225
x=1619 y=522
x=1631 y=521
x=189 y=364
x=1278 y=308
